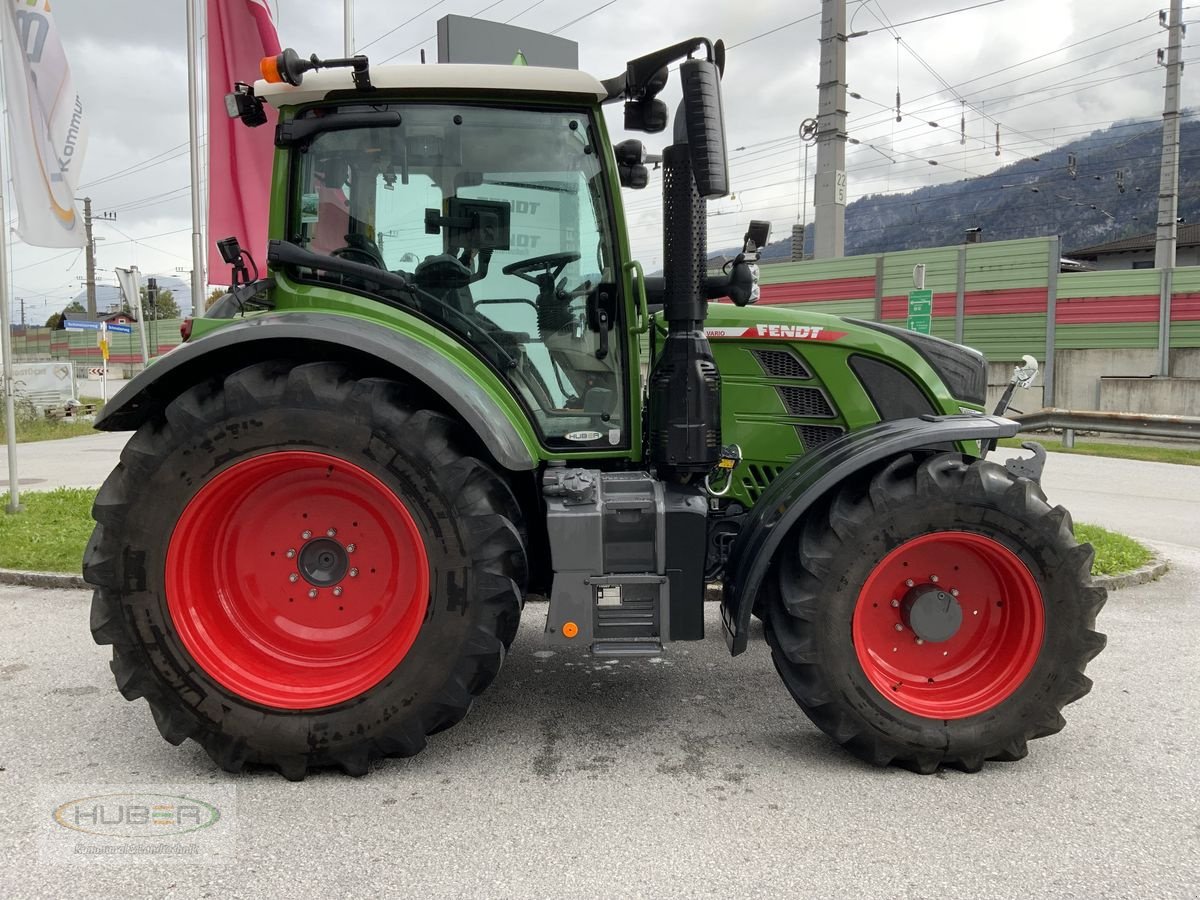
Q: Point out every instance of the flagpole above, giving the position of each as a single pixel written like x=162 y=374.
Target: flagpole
x=10 y=416
x=194 y=144
x=348 y=26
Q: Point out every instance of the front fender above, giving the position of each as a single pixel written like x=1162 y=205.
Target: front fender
x=337 y=337
x=808 y=479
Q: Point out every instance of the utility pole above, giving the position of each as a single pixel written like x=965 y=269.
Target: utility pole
x=21 y=300
x=90 y=252
x=348 y=27
x=830 y=189
x=1168 y=184
x=89 y=249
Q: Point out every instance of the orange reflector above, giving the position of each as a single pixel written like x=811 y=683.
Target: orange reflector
x=570 y=629
x=269 y=66
x=185 y=329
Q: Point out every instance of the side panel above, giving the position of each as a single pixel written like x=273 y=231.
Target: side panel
x=790 y=495
x=462 y=382
x=789 y=385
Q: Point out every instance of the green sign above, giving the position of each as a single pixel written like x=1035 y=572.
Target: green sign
x=920 y=311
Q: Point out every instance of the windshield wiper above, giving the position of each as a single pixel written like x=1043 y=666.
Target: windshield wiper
x=288 y=254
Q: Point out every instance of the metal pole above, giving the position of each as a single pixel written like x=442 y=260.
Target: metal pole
x=194 y=144
x=10 y=415
x=1168 y=184
x=348 y=26
x=1052 y=266
x=829 y=192
x=141 y=314
x=960 y=296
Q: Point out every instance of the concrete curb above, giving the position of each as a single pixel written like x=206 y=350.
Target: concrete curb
x=42 y=579
x=1155 y=569
x=1152 y=571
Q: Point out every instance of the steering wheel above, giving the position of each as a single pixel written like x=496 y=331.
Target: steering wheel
x=552 y=264
x=360 y=249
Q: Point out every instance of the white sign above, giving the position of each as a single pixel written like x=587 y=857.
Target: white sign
x=839 y=187
x=44 y=384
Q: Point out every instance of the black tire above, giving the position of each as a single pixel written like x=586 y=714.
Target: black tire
x=811 y=606
x=464 y=512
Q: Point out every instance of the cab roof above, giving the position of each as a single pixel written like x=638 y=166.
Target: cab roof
x=483 y=79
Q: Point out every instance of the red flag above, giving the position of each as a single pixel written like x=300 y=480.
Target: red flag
x=240 y=34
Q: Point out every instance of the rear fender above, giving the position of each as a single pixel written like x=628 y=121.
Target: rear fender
x=784 y=503
x=323 y=336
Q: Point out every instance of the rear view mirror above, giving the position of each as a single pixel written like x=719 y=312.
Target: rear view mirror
x=705 y=126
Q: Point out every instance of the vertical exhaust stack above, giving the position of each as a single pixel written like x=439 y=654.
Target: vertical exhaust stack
x=685 y=389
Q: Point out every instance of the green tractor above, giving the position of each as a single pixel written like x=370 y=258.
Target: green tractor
x=455 y=388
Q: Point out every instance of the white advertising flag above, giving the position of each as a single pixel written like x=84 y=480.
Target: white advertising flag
x=45 y=125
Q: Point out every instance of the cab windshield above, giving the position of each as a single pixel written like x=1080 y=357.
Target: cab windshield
x=497 y=219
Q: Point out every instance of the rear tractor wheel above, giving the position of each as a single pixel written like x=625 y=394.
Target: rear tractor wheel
x=939 y=613
x=297 y=568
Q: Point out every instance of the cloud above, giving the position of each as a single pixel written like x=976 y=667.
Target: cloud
x=129 y=61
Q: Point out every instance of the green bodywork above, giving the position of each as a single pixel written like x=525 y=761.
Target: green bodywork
x=753 y=414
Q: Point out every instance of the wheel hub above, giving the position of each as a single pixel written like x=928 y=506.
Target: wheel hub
x=323 y=562
x=932 y=614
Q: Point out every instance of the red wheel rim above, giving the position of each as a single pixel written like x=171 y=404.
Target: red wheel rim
x=990 y=653
x=296 y=579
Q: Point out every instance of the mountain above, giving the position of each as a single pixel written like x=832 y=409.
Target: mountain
x=1036 y=196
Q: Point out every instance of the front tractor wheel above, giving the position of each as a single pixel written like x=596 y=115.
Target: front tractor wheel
x=939 y=613
x=299 y=568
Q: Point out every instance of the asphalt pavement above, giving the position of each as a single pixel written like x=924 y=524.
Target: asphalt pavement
x=689 y=775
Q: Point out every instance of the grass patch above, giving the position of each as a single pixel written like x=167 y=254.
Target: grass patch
x=50 y=532
x=53 y=527
x=1115 y=553
x=1147 y=452
x=47 y=430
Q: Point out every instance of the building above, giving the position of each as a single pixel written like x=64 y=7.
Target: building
x=1138 y=252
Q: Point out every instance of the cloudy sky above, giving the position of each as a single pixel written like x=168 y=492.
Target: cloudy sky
x=1047 y=72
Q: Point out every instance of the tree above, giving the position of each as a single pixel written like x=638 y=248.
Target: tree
x=164 y=306
x=217 y=294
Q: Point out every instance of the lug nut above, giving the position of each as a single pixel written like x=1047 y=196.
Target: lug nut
x=920 y=641
x=908 y=582
x=945 y=653
x=293 y=578
x=312 y=593
x=306 y=534
x=337 y=591
x=899 y=627
x=895 y=603
x=933 y=578
x=953 y=592
x=354 y=573
x=332 y=532
x=974 y=612
x=291 y=554
x=350 y=548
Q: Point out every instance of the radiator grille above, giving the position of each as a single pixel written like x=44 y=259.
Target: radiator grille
x=757 y=477
x=781 y=364
x=809 y=402
x=813 y=436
